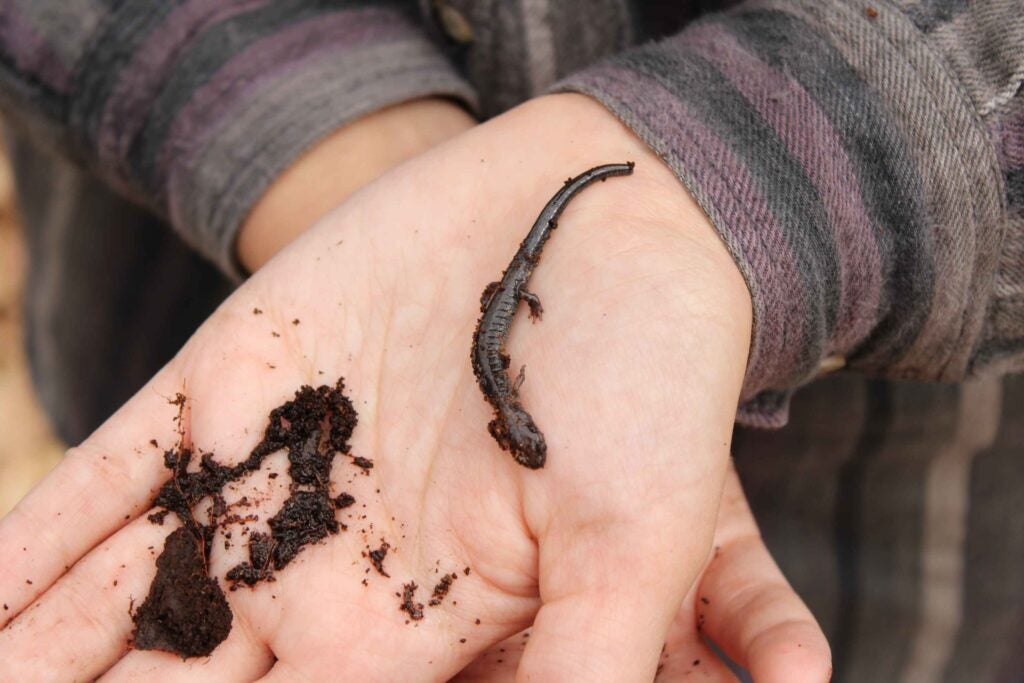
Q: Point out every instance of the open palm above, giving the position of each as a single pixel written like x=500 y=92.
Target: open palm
x=633 y=375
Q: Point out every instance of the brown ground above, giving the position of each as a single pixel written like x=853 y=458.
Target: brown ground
x=28 y=449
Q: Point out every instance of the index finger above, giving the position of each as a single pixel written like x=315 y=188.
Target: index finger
x=97 y=488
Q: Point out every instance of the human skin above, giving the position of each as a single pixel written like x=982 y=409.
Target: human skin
x=635 y=371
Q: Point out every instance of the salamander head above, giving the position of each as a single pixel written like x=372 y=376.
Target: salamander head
x=525 y=440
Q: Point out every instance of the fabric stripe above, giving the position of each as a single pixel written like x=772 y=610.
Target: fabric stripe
x=281 y=55
x=1001 y=347
x=942 y=547
x=582 y=38
x=540 y=44
x=981 y=42
x=791 y=478
x=722 y=185
x=112 y=46
x=810 y=138
x=27 y=50
x=950 y=150
x=234 y=162
x=495 y=60
x=849 y=501
x=987 y=650
x=124 y=112
x=927 y=15
x=68 y=29
x=889 y=182
x=207 y=54
x=880 y=516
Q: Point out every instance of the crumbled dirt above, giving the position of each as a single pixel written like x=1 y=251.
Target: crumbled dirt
x=258 y=567
x=441 y=589
x=409 y=605
x=343 y=501
x=186 y=611
x=377 y=557
x=307 y=517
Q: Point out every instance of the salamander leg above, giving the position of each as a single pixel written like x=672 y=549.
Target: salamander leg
x=520 y=378
x=488 y=294
x=533 y=301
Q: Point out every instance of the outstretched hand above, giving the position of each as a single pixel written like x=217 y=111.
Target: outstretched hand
x=634 y=375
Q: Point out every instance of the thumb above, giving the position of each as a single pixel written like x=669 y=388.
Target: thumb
x=749 y=609
x=610 y=586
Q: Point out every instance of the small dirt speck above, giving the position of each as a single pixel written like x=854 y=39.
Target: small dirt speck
x=377 y=557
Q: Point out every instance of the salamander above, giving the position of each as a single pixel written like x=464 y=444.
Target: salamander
x=512 y=427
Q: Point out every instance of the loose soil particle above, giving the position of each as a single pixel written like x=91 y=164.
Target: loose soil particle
x=377 y=558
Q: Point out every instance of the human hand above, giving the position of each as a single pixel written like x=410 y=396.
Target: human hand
x=634 y=377
x=741 y=602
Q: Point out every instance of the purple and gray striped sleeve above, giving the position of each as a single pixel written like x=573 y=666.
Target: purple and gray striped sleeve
x=193 y=107
x=865 y=167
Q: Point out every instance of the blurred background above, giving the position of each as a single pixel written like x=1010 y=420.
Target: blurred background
x=28 y=449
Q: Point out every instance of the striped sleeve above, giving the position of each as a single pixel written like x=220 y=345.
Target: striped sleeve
x=862 y=161
x=193 y=107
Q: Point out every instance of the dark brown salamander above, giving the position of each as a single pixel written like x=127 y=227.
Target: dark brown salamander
x=512 y=427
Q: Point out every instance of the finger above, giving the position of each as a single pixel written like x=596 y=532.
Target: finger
x=110 y=479
x=241 y=657
x=609 y=592
x=498 y=663
x=749 y=609
x=686 y=657
x=82 y=625
x=283 y=672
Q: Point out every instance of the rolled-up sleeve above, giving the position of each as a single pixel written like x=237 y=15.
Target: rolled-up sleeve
x=194 y=107
x=863 y=165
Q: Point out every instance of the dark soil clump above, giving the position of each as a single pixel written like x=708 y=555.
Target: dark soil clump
x=409 y=605
x=343 y=501
x=441 y=589
x=258 y=567
x=185 y=611
x=377 y=558
x=307 y=517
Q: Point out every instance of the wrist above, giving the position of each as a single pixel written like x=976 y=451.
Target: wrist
x=339 y=165
x=576 y=132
